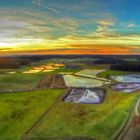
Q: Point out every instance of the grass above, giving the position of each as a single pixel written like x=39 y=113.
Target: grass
x=6 y=70
x=97 y=121
x=98 y=66
x=18 y=81
x=65 y=70
x=25 y=81
x=107 y=73
x=20 y=110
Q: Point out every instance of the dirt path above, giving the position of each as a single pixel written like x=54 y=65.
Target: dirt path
x=53 y=82
x=26 y=134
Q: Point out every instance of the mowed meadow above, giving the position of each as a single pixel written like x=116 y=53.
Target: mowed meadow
x=19 y=111
x=101 y=121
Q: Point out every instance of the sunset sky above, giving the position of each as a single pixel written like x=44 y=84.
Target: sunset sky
x=69 y=27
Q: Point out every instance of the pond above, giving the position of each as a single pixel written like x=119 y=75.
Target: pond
x=75 y=81
x=44 y=68
x=133 y=78
x=85 y=95
x=126 y=87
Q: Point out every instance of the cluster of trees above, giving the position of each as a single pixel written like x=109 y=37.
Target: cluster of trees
x=134 y=67
x=12 y=63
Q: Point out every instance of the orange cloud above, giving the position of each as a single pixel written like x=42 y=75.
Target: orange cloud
x=80 y=49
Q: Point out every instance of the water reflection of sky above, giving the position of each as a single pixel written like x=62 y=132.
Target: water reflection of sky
x=44 y=68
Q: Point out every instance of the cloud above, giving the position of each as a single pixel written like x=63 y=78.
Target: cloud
x=106 y=22
x=114 y=39
x=127 y=24
x=29 y=30
x=104 y=28
x=131 y=25
x=117 y=44
x=30 y=24
x=85 y=49
x=5 y=50
x=7 y=22
x=41 y=29
x=41 y=4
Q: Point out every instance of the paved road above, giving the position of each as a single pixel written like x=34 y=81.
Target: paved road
x=137 y=108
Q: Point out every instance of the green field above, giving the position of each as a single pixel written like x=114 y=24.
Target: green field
x=18 y=81
x=107 y=73
x=25 y=81
x=19 y=111
x=65 y=70
x=101 y=121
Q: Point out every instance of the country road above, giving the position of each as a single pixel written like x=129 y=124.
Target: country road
x=132 y=128
x=137 y=108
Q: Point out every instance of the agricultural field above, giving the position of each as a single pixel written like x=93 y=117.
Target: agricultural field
x=18 y=81
x=109 y=73
x=19 y=111
x=80 y=120
x=46 y=110
x=91 y=73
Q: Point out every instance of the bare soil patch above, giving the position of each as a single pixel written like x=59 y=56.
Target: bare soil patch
x=51 y=81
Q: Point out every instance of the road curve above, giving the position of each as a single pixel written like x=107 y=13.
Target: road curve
x=137 y=108
x=130 y=133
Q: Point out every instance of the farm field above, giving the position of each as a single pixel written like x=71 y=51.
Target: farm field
x=91 y=73
x=108 y=73
x=24 y=117
x=19 y=111
x=18 y=81
x=80 y=120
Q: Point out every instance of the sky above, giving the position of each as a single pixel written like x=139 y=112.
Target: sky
x=69 y=27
